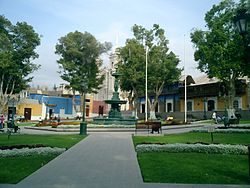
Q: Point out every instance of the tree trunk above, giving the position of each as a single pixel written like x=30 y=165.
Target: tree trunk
x=4 y=93
x=152 y=115
x=158 y=90
x=230 y=97
x=231 y=93
x=152 y=106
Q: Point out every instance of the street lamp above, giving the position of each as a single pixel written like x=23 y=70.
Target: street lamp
x=13 y=100
x=241 y=21
x=83 y=124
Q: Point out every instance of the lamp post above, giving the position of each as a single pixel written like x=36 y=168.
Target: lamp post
x=83 y=124
x=12 y=101
x=241 y=21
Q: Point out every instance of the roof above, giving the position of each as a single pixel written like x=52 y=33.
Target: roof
x=204 y=79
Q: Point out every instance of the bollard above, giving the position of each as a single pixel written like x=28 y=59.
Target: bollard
x=83 y=128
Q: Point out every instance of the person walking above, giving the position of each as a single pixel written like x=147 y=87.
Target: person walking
x=1 y=121
x=214 y=117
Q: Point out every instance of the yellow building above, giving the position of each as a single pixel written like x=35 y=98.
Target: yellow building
x=207 y=95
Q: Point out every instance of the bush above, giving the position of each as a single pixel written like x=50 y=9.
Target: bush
x=194 y=148
x=222 y=130
x=32 y=151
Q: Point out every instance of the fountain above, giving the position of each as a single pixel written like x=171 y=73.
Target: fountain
x=115 y=116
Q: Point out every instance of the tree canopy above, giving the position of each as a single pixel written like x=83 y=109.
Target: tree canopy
x=17 y=50
x=162 y=63
x=220 y=49
x=80 y=61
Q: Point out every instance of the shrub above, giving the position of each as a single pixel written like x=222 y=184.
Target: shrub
x=193 y=148
x=33 y=151
x=223 y=130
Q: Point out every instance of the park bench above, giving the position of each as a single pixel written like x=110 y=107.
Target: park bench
x=154 y=126
x=231 y=117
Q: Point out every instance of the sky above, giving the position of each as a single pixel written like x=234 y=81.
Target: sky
x=107 y=20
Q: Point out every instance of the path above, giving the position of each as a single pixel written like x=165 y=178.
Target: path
x=102 y=160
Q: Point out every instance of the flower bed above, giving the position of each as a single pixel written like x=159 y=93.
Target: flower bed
x=193 y=148
x=31 y=151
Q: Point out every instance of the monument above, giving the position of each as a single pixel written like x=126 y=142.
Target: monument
x=114 y=115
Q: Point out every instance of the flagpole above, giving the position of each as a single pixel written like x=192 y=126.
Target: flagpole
x=185 y=84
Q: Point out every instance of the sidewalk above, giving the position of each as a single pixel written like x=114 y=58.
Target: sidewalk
x=100 y=160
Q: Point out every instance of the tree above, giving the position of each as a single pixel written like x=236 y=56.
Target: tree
x=17 y=50
x=134 y=63
x=220 y=49
x=79 y=62
x=162 y=64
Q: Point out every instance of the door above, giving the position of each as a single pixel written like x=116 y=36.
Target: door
x=100 y=112
x=27 y=113
x=87 y=110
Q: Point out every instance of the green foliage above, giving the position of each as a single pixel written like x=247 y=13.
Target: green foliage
x=194 y=168
x=79 y=61
x=17 y=50
x=162 y=63
x=220 y=51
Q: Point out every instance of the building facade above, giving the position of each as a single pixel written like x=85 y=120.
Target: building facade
x=204 y=95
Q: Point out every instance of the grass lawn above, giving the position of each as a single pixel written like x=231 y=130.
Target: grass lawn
x=194 y=167
x=61 y=141
x=244 y=121
x=222 y=138
x=14 y=169
x=25 y=123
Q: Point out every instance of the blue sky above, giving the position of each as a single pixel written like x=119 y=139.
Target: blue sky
x=106 y=19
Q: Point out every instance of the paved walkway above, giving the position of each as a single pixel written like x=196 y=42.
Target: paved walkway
x=102 y=160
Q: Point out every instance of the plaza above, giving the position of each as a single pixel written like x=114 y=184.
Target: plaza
x=103 y=159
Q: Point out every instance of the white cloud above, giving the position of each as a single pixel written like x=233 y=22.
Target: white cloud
x=48 y=74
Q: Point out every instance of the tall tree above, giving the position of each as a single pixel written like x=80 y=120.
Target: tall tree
x=162 y=63
x=220 y=49
x=133 y=78
x=80 y=61
x=17 y=50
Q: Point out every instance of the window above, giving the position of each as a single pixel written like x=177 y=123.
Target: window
x=210 y=105
x=142 y=108
x=169 y=105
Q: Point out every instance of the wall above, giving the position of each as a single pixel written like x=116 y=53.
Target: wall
x=36 y=110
